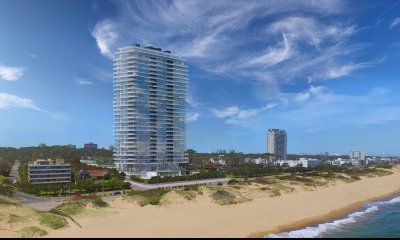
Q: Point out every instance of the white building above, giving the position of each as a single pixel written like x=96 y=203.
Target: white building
x=358 y=155
x=302 y=162
x=257 y=161
x=220 y=160
x=89 y=163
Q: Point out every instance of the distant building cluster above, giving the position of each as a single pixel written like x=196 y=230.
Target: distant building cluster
x=358 y=155
x=93 y=163
x=257 y=161
x=90 y=145
x=302 y=162
x=218 y=160
x=361 y=162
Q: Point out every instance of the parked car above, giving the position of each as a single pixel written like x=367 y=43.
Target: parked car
x=76 y=196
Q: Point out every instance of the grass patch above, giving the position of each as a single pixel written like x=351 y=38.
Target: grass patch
x=265 y=180
x=149 y=197
x=77 y=207
x=345 y=179
x=99 y=203
x=355 y=177
x=188 y=195
x=71 y=208
x=223 y=197
x=52 y=221
x=31 y=232
x=13 y=218
x=191 y=188
x=233 y=182
x=275 y=192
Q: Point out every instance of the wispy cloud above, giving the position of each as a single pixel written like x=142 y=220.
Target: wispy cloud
x=267 y=44
x=273 y=56
x=395 y=23
x=192 y=117
x=346 y=70
x=83 y=82
x=33 y=56
x=13 y=101
x=11 y=73
x=277 y=45
x=236 y=115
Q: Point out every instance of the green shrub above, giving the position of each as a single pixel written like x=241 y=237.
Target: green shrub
x=72 y=208
x=385 y=166
x=52 y=221
x=191 y=188
x=264 y=180
x=13 y=218
x=355 y=177
x=275 y=193
x=223 y=197
x=99 y=202
x=31 y=232
x=233 y=182
x=152 y=197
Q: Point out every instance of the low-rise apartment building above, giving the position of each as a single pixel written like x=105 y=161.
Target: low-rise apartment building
x=49 y=171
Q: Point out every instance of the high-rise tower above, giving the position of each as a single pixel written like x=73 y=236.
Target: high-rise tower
x=277 y=142
x=150 y=88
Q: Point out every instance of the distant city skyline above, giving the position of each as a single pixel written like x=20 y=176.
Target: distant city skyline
x=325 y=71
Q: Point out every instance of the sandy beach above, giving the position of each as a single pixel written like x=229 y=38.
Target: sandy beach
x=202 y=218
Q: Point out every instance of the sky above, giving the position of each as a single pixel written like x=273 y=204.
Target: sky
x=328 y=72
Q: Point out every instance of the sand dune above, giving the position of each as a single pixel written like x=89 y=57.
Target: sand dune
x=202 y=218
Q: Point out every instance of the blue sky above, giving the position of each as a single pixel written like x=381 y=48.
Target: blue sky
x=326 y=71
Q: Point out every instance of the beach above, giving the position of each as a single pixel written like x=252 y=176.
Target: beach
x=256 y=218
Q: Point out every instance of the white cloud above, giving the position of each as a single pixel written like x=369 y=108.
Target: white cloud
x=236 y=115
x=269 y=44
x=395 y=23
x=273 y=56
x=11 y=101
x=33 y=56
x=83 y=82
x=346 y=70
x=106 y=35
x=11 y=73
x=192 y=117
x=195 y=29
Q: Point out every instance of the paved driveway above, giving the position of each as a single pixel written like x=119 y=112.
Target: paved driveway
x=142 y=186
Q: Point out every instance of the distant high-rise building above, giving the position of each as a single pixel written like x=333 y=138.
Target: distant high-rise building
x=221 y=151
x=277 y=142
x=90 y=146
x=359 y=155
x=150 y=88
x=71 y=146
x=42 y=145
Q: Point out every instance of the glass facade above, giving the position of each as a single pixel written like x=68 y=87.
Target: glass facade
x=277 y=143
x=49 y=174
x=150 y=88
